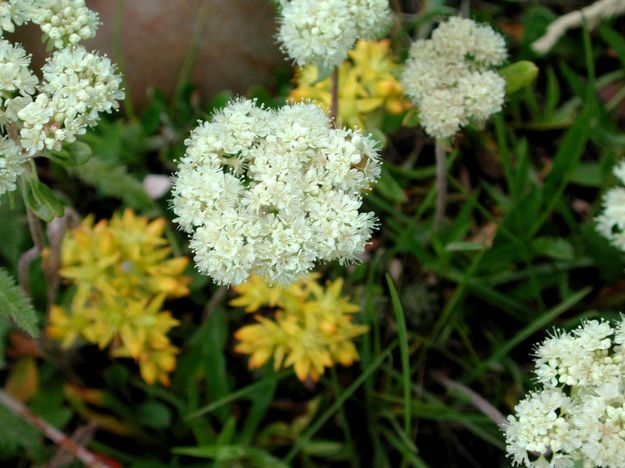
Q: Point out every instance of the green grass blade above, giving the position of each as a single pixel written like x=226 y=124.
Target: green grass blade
x=403 y=349
x=312 y=429
x=241 y=393
x=538 y=324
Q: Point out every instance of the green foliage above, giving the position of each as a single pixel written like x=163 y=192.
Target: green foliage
x=15 y=305
x=518 y=75
x=517 y=254
x=40 y=199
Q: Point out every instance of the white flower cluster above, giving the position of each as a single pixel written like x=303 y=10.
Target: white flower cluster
x=322 y=32
x=65 y=22
x=449 y=78
x=577 y=418
x=611 y=222
x=11 y=160
x=270 y=192
x=14 y=13
x=77 y=85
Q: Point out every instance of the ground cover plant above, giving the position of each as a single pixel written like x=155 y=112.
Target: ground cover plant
x=405 y=250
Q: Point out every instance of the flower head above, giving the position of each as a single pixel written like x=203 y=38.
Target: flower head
x=270 y=192
x=65 y=22
x=15 y=75
x=611 y=222
x=368 y=86
x=449 y=78
x=77 y=85
x=11 y=161
x=578 y=416
x=14 y=13
x=123 y=274
x=321 y=33
x=311 y=330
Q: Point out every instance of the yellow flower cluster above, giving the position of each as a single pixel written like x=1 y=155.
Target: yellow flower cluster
x=368 y=86
x=123 y=273
x=312 y=328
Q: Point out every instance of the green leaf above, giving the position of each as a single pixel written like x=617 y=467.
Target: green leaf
x=518 y=75
x=154 y=415
x=462 y=246
x=537 y=324
x=113 y=180
x=40 y=199
x=16 y=434
x=587 y=175
x=404 y=353
x=232 y=453
x=306 y=436
x=15 y=305
x=72 y=155
x=614 y=40
x=554 y=247
x=411 y=119
x=389 y=188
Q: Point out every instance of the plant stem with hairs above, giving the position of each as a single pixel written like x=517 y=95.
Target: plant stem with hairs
x=52 y=433
x=441 y=183
x=334 y=107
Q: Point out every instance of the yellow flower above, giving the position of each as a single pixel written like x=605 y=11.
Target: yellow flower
x=368 y=86
x=311 y=329
x=256 y=293
x=123 y=274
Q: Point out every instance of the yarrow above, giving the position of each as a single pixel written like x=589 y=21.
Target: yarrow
x=76 y=85
x=322 y=32
x=611 y=222
x=577 y=415
x=450 y=78
x=368 y=86
x=123 y=274
x=311 y=328
x=270 y=192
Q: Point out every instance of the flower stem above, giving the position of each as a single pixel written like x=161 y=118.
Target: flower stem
x=441 y=183
x=334 y=109
x=52 y=433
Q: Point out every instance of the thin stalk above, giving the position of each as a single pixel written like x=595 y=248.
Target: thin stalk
x=117 y=53
x=31 y=254
x=477 y=400
x=52 y=433
x=441 y=184
x=334 y=109
x=189 y=59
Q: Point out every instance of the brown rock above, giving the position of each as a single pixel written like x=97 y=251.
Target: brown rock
x=235 y=44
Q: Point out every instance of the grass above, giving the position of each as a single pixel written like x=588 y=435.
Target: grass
x=517 y=255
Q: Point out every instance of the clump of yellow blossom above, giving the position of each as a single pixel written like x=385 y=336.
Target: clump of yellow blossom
x=368 y=86
x=123 y=272
x=311 y=328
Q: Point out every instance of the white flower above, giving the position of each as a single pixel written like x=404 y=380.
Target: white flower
x=579 y=414
x=540 y=427
x=77 y=85
x=65 y=22
x=270 y=192
x=11 y=161
x=15 y=74
x=611 y=222
x=322 y=32
x=14 y=13
x=448 y=76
